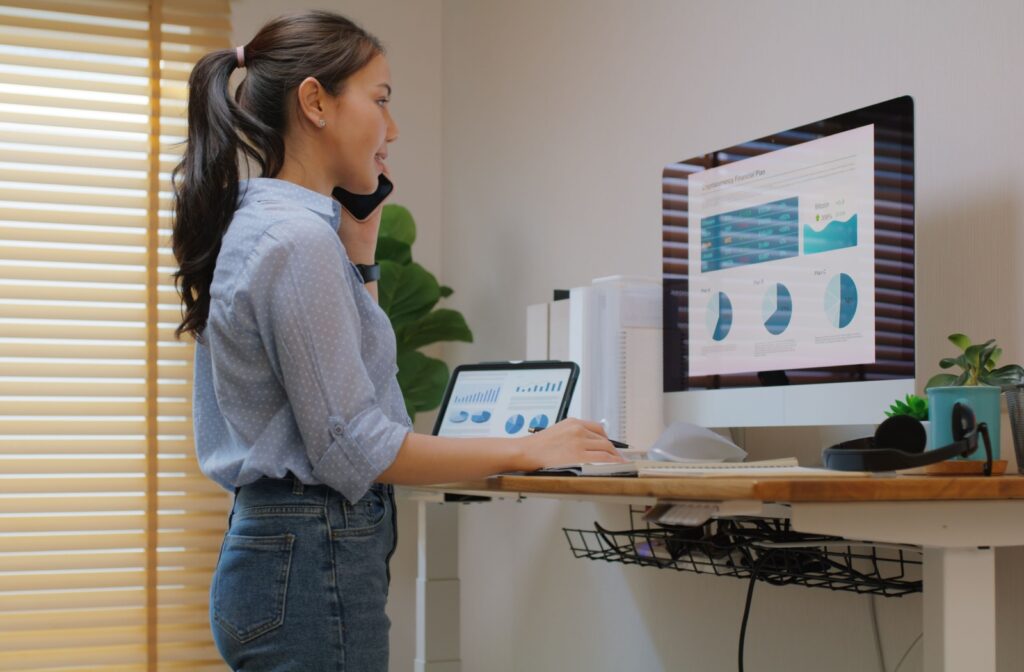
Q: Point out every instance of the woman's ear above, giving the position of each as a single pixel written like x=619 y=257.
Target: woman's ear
x=311 y=99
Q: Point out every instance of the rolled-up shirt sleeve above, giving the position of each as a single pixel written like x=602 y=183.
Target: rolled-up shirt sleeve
x=306 y=315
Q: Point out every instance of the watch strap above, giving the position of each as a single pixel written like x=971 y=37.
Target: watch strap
x=370 y=272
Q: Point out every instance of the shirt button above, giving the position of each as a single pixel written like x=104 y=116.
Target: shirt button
x=337 y=429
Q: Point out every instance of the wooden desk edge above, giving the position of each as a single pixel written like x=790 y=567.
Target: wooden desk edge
x=833 y=489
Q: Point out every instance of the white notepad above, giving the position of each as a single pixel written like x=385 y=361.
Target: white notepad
x=787 y=467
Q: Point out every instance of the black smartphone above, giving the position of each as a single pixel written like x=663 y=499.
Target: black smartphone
x=361 y=205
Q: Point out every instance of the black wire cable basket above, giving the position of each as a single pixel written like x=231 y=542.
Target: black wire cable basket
x=768 y=547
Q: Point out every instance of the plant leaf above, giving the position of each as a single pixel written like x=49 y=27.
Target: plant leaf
x=397 y=222
x=962 y=379
x=442 y=324
x=391 y=249
x=960 y=341
x=1011 y=374
x=406 y=292
x=972 y=355
x=422 y=380
x=912 y=405
x=986 y=355
x=898 y=408
x=921 y=408
x=941 y=380
x=948 y=362
x=994 y=360
x=446 y=291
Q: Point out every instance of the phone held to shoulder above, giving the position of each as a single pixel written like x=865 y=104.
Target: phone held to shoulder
x=362 y=206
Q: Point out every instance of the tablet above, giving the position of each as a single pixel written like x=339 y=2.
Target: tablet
x=506 y=399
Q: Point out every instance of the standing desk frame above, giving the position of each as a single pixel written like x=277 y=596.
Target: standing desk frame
x=958 y=522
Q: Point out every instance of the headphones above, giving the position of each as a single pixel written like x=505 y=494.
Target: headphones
x=899 y=443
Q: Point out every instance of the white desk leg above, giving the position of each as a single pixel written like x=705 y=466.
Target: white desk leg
x=959 y=605
x=437 y=588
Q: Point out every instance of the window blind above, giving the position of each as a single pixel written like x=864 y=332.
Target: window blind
x=108 y=532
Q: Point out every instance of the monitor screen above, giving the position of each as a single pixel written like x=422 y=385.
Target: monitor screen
x=790 y=259
x=503 y=401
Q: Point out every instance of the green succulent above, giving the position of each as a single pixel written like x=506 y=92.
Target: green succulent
x=978 y=366
x=408 y=294
x=913 y=405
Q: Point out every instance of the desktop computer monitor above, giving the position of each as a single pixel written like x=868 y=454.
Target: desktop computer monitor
x=788 y=274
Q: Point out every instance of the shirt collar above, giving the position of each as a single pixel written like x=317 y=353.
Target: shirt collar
x=259 y=189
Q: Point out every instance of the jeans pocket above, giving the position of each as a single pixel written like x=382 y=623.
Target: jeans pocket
x=365 y=516
x=251 y=584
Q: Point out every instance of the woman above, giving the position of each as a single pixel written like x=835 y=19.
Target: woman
x=297 y=406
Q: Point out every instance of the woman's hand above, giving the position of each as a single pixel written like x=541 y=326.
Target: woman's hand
x=360 y=237
x=568 y=442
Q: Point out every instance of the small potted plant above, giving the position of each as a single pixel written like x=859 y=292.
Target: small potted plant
x=978 y=385
x=912 y=405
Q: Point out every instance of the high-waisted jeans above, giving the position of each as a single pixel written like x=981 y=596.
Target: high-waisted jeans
x=302 y=579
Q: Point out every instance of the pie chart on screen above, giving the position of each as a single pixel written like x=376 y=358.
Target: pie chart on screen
x=719 y=316
x=460 y=416
x=777 y=309
x=841 y=300
x=514 y=424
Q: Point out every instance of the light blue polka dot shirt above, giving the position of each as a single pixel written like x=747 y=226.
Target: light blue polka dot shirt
x=297 y=368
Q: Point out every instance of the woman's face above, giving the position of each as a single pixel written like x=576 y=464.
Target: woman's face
x=359 y=128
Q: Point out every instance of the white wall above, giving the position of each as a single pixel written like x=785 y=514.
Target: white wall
x=558 y=118
x=411 y=32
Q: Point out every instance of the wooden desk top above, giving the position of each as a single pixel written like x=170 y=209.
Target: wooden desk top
x=833 y=489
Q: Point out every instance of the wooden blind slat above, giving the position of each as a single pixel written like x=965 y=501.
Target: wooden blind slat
x=121 y=502
x=125 y=10
x=55 y=40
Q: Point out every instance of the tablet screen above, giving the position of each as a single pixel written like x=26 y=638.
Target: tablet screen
x=504 y=402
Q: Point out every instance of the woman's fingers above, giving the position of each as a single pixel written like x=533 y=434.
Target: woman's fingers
x=605 y=447
x=603 y=456
x=594 y=427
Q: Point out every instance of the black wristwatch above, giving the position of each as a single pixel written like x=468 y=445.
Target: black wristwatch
x=369 y=272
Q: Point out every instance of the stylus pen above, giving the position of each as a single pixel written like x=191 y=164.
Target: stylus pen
x=617 y=444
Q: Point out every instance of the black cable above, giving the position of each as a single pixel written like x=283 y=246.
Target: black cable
x=907 y=652
x=746 y=610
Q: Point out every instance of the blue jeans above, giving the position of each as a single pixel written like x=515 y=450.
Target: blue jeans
x=302 y=579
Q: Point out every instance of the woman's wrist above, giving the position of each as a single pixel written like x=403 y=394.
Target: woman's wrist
x=364 y=258
x=360 y=251
x=360 y=238
x=522 y=459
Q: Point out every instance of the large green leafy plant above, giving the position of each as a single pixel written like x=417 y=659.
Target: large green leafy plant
x=408 y=295
x=978 y=366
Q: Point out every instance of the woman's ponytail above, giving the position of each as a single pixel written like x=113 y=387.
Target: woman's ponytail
x=205 y=185
x=220 y=129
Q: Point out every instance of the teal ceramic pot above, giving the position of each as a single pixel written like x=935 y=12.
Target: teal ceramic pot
x=984 y=400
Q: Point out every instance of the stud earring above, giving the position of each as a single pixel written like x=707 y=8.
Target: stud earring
x=322 y=123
